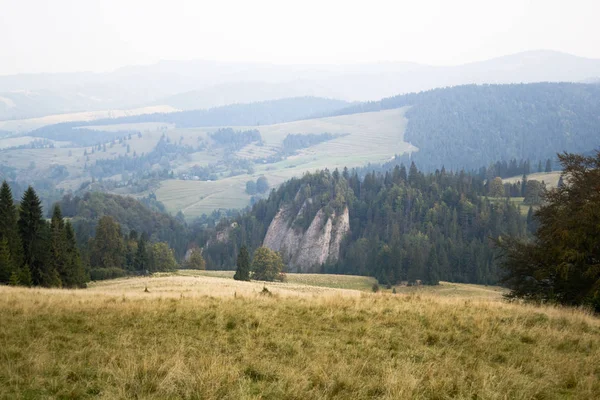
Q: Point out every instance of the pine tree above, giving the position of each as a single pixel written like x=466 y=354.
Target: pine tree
x=242 y=272
x=25 y=278
x=58 y=251
x=14 y=279
x=8 y=225
x=6 y=265
x=548 y=166
x=524 y=185
x=75 y=275
x=34 y=237
x=140 y=261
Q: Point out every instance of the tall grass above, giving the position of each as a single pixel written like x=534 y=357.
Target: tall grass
x=178 y=341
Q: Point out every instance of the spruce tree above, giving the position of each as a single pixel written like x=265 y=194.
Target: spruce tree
x=76 y=275
x=58 y=251
x=24 y=274
x=6 y=265
x=141 y=262
x=242 y=272
x=33 y=231
x=8 y=225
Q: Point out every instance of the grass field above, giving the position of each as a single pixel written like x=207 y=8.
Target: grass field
x=25 y=125
x=201 y=337
x=550 y=178
x=370 y=137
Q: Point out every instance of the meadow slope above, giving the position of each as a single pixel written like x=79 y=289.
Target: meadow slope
x=211 y=337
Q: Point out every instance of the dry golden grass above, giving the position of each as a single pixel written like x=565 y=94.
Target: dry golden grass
x=206 y=338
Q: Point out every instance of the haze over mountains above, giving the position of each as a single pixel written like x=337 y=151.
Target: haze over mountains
x=204 y=84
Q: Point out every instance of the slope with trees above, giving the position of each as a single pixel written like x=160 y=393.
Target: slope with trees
x=404 y=225
x=473 y=125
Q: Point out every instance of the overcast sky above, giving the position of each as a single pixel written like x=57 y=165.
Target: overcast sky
x=86 y=35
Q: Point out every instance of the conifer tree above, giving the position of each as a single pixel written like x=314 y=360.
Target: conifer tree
x=8 y=225
x=58 y=251
x=14 y=279
x=6 y=265
x=75 y=275
x=24 y=274
x=34 y=231
x=242 y=272
x=140 y=262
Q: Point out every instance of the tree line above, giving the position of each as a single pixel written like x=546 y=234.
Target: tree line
x=406 y=225
x=33 y=251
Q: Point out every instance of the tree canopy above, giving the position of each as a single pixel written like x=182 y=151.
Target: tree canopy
x=562 y=263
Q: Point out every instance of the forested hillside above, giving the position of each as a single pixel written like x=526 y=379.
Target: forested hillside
x=85 y=212
x=473 y=125
x=404 y=225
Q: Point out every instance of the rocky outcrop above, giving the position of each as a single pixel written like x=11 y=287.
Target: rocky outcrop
x=306 y=251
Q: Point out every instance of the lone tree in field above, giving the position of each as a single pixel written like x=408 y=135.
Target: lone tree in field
x=196 y=261
x=267 y=265
x=242 y=273
x=562 y=263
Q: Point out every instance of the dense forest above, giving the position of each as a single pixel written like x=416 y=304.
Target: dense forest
x=131 y=215
x=405 y=225
x=473 y=125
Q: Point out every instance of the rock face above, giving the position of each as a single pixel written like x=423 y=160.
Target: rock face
x=307 y=251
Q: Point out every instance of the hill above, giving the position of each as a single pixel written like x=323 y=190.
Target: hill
x=85 y=211
x=255 y=113
x=197 y=83
x=215 y=338
x=179 y=157
x=398 y=226
x=471 y=126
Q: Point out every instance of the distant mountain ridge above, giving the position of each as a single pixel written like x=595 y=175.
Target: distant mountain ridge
x=205 y=84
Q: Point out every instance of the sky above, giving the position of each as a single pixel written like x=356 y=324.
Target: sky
x=102 y=35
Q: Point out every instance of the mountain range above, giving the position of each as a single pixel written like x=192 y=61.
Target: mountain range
x=201 y=84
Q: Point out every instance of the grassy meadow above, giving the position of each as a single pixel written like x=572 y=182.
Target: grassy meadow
x=369 y=137
x=197 y=336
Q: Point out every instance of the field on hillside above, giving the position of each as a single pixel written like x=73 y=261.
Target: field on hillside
x=216 y=338
x=26 y=125
x=370 y=137
x=550 y=178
